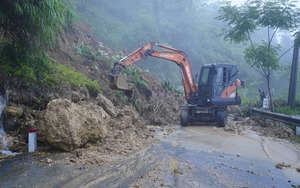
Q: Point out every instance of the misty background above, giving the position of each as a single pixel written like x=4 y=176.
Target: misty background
x=187 y=25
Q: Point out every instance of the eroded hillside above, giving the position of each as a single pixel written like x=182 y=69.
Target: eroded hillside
x=148 y=104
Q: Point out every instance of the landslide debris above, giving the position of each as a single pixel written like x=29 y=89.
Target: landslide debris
x=264 y=127
x=80 y=118
x=66 y=125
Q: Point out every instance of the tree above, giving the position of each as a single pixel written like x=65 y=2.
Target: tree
x=27 y=26
x=294 y=71
x=268 y=15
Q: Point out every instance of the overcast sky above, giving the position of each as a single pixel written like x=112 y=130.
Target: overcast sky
x=238 y=2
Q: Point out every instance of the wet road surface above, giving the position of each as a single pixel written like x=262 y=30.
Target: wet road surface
x=200 y=156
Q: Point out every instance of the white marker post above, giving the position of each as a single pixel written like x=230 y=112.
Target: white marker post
x=266 y=103
x=32 y=145
x=297 y=131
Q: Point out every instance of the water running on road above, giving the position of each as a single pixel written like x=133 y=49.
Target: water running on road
x=200 y=156
x=247 y=146
x=4 y=150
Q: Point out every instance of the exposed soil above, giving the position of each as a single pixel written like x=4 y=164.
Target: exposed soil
x=194 y=156
x=153 y=103
x=158 y=109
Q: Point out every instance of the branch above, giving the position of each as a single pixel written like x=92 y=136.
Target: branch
x=265 y=71
x=285 y=52
x=251 y=42
x=257 y=70
x=268 y=34
x=273 y=35
x=249 y=36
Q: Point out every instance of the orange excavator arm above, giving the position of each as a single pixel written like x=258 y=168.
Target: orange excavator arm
x=168 y=53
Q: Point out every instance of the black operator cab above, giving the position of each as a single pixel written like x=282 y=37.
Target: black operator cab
x=217 y=85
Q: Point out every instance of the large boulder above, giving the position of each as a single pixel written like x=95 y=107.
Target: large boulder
x=107 y=105
x=66 y=125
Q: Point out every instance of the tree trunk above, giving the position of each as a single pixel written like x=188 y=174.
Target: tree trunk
x=270 y=94
x=293 y=78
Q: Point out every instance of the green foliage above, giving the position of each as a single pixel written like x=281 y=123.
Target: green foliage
x=250 y=93
x=88 y=52
x=245 y=99
x=241 y=19
x=287 y=110
x=38 y=72
x=114 y=58
x=281 y=14
x=121 y=95
x=29 y=70
x=254 y=15
x=135 y=76
x=297 y=37
x=33 y=24
x=137 y=104
x=178 y=23
x=26 y=28
x=246 y=109
x=64 y=74
x=167 y=84
x=281 y=106
x=262 y=56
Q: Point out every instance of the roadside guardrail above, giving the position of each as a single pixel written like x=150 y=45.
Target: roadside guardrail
x=288 y=119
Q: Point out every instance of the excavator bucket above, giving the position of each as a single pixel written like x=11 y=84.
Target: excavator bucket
x=120 y=82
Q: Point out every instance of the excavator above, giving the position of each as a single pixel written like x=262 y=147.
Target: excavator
x=207 y=98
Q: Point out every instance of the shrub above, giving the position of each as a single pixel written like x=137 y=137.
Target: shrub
x=38 y=72
x=135 y=76
x=88 y=52
x=121 y=95
x=167 y=84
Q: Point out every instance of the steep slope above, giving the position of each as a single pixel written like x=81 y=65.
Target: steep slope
x=78 y=49
x=154 y=103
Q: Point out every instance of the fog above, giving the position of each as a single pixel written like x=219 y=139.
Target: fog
x=186 y=25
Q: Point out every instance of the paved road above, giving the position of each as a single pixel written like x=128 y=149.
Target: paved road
x=211 y=157
x=200 y=156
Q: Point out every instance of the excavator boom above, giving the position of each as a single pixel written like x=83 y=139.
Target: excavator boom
x=207 y=100
x=168 y=53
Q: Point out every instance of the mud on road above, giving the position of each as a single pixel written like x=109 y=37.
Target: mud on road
x=196 y=156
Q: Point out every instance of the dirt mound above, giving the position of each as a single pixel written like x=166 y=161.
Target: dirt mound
x=96 y=133
x=270 y=128
x=125 y=131
x=262 y=126
x=155 y=104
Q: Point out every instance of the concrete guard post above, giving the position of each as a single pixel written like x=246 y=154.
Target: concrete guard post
x=297 y=131
x=266 y=103
x=32 y=144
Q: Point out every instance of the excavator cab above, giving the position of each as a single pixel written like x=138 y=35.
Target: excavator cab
x=216 y=85
x=207 y=99
x=217 y=88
